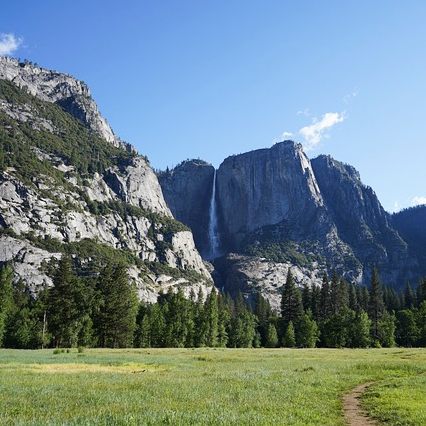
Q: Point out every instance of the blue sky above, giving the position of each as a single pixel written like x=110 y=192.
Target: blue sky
x=188 y=79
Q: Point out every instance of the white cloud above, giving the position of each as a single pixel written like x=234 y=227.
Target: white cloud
x=313 y=133
x=9 y=43
x=416 y=201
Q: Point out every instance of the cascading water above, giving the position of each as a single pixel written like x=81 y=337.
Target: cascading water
x=214 y=242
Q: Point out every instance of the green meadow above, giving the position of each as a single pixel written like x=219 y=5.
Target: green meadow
x=209 y=386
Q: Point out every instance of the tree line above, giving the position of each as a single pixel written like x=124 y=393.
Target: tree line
x=103 y=311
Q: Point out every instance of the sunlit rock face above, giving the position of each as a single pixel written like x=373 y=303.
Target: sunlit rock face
x=265 y=187
x=48 y=201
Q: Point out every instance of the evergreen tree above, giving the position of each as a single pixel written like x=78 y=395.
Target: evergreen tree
x=263 y=312
x=409 y=297
x=335 y=330
x=289 y=338
x=386 y=330
x=291 y=301
x=223 y=322
x=242 y=330
x=212 y=319
x=407 y=332
x=316 y=302
x=353 y=298
x=143 y=329
x=201 y=330
x=360 y=331
x=156 y=325
x=342 y=299
x=421 y=324
x=67 y=307
x=363 y=297
x=307 y=333
x=421 y=291
x=325 y=298
x=6 y=298
x=376 y=304
x=306 y=297
x=271 y=336
x=116 y=318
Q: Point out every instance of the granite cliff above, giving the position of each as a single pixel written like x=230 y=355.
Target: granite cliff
x=278 y=210
x=69 y=185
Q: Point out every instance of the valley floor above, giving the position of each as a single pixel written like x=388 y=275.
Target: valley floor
x=209 y=386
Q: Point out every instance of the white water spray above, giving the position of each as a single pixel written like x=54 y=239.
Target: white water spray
x=213 y=227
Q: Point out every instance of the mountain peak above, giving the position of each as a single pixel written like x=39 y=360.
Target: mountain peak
x=71 y=94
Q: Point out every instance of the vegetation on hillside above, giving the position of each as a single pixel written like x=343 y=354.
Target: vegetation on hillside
x=100 y=309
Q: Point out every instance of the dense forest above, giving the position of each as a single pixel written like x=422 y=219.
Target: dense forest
x=103 y=311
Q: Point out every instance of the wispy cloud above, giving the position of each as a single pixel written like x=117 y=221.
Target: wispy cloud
x=418 y=200
x=9 y=43
x=348 y=98
x=314 y=133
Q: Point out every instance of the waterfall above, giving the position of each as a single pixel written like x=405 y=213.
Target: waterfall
x=213 y=228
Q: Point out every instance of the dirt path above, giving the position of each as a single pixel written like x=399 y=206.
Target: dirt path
x=354 y=415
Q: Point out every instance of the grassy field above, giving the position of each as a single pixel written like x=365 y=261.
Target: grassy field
x=209 y=386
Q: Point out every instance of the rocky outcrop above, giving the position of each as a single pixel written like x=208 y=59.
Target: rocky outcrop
x=50 y=86
x=55 y=200
x=251 y=275
x=360 y=219
x=277 y=208
x=411 y=225
x=266 y=187
x=187 y=190
x=138 y=185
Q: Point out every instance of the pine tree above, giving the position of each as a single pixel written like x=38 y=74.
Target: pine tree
x=386 y=330
x=116 y=318
x=342 y=296
x=407 y=331
x=421 y=323
x=353 y=298
x=376 y=304
x=271 y=336
x=421 y=291
x=223 y=322
x=316 y=302
x=143 y=331
x=291 y=301
x=212 y=319
x=6 y=298
x=200 y=338
x=242 y=330
x=325 y=299
x=409 y=297
x=156 y=325
x=360 y=332
x=307 y=333
x=335 y=293
x=289 y=339
x=263 y=312
x=66 y=308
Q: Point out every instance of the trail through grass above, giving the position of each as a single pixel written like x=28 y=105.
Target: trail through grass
x=208 y=386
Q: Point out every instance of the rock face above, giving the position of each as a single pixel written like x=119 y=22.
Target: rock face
x=251 y=275
x=360 y=219
x=279 y=210
x=411 y=225
x=187 y=190
x=68 y=188
x=266 y=187
x=71 y=94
